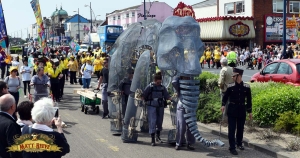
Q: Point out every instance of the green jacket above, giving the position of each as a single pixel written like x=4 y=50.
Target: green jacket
x=231 y=57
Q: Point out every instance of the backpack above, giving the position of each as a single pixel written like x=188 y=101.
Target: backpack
x=164 y=102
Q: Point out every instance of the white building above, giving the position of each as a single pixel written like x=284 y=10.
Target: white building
x=235 y=8
x=207 y=8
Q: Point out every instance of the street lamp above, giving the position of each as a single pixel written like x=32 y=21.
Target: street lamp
x=78 y=26
x=90 y=14
x=284 y=28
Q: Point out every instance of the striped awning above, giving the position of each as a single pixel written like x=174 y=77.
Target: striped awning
x=230 y=28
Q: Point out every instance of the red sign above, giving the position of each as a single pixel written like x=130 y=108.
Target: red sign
x=184 y=10
x=239 y=29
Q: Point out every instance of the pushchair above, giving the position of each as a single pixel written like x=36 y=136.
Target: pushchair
x=250 y=64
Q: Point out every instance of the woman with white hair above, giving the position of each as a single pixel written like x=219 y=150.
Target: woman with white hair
x=43 y=113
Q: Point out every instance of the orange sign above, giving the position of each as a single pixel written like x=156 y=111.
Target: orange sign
x=184 y=10
x=290 y=24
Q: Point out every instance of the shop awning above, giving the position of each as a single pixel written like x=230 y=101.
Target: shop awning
x=227 y=28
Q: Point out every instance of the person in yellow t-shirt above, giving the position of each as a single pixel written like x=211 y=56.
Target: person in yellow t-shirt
x=55 y=75
x=207 y=53
x=98 y=65
x=202 y=61
x=66 y=71
x=8 y=60
x=73 y=68
x=97 y=52
x=217 y=56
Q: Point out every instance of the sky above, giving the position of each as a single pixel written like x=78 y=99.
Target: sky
x=19 y=14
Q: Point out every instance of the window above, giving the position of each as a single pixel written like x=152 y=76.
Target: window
x=294 y=7
x=127 y=15
x=114 y=18
x=133 y=14
x=278 y=6
x=119 y=17
x=235 y=8
x=270 y=69
x=283 y=68
x=240 y=7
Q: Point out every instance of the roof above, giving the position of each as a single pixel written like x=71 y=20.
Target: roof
x=205 y=3
x=74 y=19
x=296 y=61
x=133 y=7
x=59 y=12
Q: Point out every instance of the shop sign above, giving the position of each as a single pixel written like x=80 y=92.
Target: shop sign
x=149 y=16
x=184 y=10
x=274 y=28
x=239 y=29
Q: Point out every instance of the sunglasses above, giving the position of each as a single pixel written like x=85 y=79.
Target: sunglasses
x=105 y=63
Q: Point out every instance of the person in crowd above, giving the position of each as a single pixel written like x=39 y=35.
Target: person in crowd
x=155 y=94
x=259 y=61
x=16 y=63
x=207 y=53
x=9 y=127
x=103 y=82
x=181 y=126
x=289 y=53
x=238 y=94
x=40 y=83
x=73 y=68
x=13 y=83
x=242 y=59
x=87 y=71
x=62 y=79
x=43 y=114
x=202 y=61
x=66 y=69
x=55 y=76
x=124 y=87
x=217 y=56
x=8 y=62
x=2 y=65
x=3 y=88
x=231 y=58
x=98 y=65
x=25 y=71
x=24 y=111
x=224 y=80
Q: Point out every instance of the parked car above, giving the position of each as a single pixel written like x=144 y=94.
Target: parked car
x=286 y=71
x=83 y=48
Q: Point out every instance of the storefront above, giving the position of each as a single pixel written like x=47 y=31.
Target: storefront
x=237 y=31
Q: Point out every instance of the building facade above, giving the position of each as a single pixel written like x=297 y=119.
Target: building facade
x=229 y=22
x=268 y=20
x=154 y=10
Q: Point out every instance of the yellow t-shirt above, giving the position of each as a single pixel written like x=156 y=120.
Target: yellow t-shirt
x=73 y=65
x=207 y=55
x=66 y=62
x=217 y=55
x=98 y=64
x=52 y=73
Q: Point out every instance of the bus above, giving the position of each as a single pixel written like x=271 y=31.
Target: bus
x=108 y=35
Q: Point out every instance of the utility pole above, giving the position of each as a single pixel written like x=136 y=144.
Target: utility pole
x=91 y=17
x=284 y=28
x=145 y=17
x=78 y=28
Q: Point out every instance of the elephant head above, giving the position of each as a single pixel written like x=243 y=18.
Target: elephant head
x=180 y=47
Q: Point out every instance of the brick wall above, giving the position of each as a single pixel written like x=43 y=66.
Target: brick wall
x=260 y=9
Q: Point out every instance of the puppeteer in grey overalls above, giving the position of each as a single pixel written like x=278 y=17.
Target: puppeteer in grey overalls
x=155 y=95
x=124 y=87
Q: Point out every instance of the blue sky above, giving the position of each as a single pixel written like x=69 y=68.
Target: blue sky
x=19 y=15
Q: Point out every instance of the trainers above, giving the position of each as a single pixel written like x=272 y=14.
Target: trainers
x=233 y=152
x=240 y=147
x=190 y=147
x=177 y=147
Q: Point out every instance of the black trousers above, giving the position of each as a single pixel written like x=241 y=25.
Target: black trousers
x=66 y=73
x=232 y=64
x=26 y=85
x=55 y=87
x=235 y=131
x=7 y=69
x=34 y=72
x=73 y=78
x=208 y=63
x=2 y=71
x=98 y=74
x=62 y=86
x=124 y=104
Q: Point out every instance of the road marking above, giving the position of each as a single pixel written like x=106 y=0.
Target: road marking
x=114 y=148
x=102 y=140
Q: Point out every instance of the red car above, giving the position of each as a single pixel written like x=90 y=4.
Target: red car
x=286 y=71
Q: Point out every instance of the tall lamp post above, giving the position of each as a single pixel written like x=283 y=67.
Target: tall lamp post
x=145 y=17
x=78 y=26
x=284 y=28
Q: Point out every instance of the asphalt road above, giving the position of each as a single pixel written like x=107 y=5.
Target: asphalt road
x=89 y=136
x=246 y=76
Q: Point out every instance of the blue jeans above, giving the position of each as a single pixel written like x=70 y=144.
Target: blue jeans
x=86 y=82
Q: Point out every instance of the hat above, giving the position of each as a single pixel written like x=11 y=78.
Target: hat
x=237 y=71
x=72 y=56
x=13 y=68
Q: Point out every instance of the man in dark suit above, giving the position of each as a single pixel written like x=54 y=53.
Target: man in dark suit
x=9 y=128
x=238 y=95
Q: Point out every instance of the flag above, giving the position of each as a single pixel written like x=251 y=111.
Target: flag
x=3 y=32
x=39 y=21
